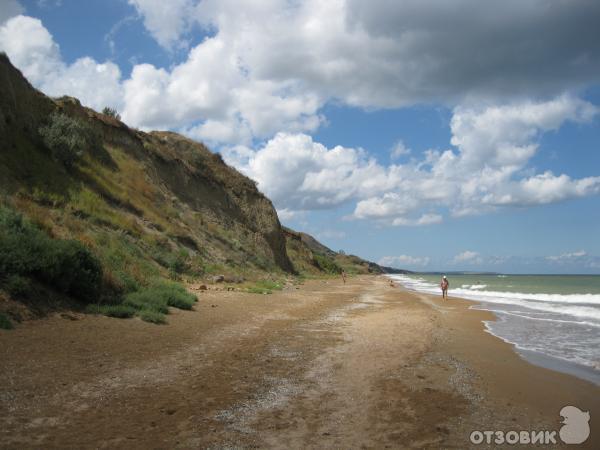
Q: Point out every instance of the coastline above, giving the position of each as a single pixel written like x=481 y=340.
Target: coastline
x=538 y=358
x=326 y=365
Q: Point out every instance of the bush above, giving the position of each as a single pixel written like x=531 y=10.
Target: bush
x=67 y=138
x=65 y=265
x=119 y=311
x=149 y=315
x=146 y=299
x=160 y=296
x=111 y=112
x=5 y=322
x=17 y=286
x=327 y=264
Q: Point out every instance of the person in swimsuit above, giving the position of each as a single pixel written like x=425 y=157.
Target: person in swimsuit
x=444 y=285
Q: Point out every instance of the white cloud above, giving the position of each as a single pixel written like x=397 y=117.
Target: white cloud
x=568 y=256
x=287 y=214
x=300 y=174
x=494 y=144
x=281 y=61
x=404 y=261
x=268 y=67
x=168 y=21
x=468 y=257
x=31 y=48
x=485 y=172
x=399 y=150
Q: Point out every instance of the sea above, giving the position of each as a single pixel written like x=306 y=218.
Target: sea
x=552 y=320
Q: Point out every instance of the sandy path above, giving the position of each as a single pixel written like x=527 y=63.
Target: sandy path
x=359 y=365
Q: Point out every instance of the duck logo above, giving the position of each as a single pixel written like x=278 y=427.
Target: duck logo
x=576 y=427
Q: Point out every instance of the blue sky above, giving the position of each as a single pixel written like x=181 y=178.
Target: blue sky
x=419 y=134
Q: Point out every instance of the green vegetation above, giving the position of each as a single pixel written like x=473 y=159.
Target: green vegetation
x=264 y=287
x=109 y=214
x=327 y=264
x=67 y=138
x=150 y=303
x=17 y=286
x=5 y=323
x=120 y=311
x=148 y=315
x=158 y=297
x=26 y=252
x=111 y=112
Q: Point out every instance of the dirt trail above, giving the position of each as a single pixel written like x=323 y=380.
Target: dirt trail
x=359 y=365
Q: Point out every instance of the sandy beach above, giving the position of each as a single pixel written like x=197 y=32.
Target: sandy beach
x=321 y=365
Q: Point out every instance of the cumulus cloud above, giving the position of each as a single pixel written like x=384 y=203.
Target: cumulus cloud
x=32 y=49
x=278 y=62
x=399 y=150
x=168 y=21
x=493 y=146
x=298 y=173
x=257 y=83
x=468 y=257
x=404 y=260
x=485 y=170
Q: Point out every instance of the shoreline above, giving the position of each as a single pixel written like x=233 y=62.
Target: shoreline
x=537 y=358
x=328 y=365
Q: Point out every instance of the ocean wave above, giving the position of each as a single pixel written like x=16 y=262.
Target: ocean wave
x=474 y=286
x=591 y=299
x=466 y=290
x=525 y=315
x=581 y=306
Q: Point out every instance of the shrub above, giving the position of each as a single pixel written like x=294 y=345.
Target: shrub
x=67 y=138
x=17 y=286
x=176 y=295
x=146 y=299
x=160 y=296
x=111 y=112
x=5 y=322
x=327 y=264
x=65 y=265
x=149 y=315
x=119 y=311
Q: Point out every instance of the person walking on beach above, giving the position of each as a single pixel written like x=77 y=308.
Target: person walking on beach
x=444 y=285
x=344 y=276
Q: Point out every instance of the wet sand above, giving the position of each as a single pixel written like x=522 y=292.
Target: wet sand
x=360 y=365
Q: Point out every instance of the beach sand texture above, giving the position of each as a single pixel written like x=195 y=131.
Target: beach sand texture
x=360 y=365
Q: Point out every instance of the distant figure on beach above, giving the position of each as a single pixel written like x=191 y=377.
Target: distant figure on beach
x=444 y=285
x=344 y=276
x=391 y=283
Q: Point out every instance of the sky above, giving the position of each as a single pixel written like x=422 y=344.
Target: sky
x=420 y=134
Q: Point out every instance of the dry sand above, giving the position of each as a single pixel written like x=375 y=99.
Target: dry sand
x=329 y=365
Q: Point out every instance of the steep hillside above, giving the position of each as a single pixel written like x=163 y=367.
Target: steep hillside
x=146 y=206
x=310 y=256
x=162 y=189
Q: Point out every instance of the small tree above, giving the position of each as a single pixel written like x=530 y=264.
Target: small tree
x=111 y=112
x=67 y=138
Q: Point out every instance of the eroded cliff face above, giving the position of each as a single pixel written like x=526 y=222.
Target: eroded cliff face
x=159 y=191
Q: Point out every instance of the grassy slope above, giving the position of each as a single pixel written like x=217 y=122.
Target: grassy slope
x=149 y=206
